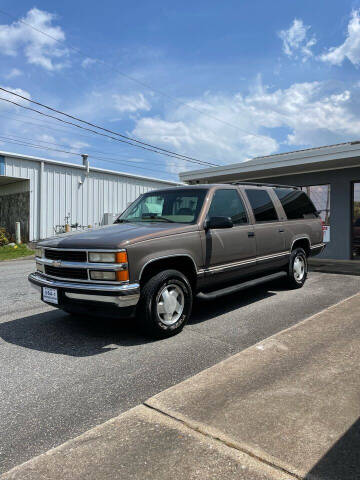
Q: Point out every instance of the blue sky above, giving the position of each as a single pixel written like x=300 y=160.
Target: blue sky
x=257 y=78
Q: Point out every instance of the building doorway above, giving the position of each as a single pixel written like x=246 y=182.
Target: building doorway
x=356 y=220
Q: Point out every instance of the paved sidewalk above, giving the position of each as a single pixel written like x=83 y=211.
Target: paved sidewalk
x=286 y=408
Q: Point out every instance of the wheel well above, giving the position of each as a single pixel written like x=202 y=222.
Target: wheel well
x=182 y=263
x=302 y=243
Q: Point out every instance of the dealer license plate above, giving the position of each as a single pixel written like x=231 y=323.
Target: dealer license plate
x=50 y=295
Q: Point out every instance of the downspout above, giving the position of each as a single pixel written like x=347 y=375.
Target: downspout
x=41 y=233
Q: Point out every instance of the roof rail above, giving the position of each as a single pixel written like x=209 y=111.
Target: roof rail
x=260 y=184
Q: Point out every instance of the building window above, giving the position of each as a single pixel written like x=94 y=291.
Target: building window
x=320 y=196
x=261 y=205
x=356 y=221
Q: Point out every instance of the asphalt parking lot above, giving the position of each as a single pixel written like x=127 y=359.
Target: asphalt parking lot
x=62 y=375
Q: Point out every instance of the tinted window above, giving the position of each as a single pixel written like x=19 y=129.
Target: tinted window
x=295 y=203
x=262 y=205
x=227 y=203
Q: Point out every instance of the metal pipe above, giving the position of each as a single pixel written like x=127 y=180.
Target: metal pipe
x=17 y=233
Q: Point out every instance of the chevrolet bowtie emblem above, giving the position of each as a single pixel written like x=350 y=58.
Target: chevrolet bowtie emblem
x=57 y=263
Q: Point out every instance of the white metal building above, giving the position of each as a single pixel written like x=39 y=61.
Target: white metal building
x=43 y=193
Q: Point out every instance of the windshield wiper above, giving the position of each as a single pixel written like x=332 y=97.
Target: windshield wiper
x=157 y=217
x=120 y=220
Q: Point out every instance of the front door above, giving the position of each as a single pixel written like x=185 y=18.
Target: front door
x=229 y=252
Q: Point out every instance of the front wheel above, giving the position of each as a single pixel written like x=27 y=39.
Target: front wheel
x=165 y=304
x=298 y=268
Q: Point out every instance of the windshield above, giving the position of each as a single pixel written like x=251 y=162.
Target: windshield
x=180 y=206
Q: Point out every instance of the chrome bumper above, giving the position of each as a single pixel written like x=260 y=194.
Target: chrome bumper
x=125 y=295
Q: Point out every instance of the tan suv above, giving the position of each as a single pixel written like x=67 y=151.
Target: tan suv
x=173 y=244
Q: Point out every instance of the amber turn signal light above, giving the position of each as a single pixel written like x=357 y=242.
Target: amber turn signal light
x=121 y=257
x=122 y=275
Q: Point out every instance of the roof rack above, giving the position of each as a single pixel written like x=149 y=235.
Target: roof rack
x=260 y=184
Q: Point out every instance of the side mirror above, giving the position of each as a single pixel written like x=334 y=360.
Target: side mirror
x=219 y=222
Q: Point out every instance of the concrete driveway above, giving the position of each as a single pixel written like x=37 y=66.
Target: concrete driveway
x=62 y=376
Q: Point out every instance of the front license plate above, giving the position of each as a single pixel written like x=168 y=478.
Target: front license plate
x=50 y=295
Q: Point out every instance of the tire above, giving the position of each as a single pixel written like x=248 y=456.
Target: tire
x=297 y=269
x=157 y=313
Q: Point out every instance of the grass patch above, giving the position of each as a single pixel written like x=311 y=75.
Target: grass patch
x=8 y=253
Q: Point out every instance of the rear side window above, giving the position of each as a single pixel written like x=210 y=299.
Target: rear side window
x=296 y=203
x=262 y=205
x=227 y=203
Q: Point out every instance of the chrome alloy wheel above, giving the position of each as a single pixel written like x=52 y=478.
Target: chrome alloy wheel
x=170 y=304
x=299 y=268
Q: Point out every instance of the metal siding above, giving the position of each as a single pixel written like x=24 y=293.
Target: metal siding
x=87 y=202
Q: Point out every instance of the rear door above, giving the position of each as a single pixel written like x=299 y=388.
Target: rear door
x=268 y=229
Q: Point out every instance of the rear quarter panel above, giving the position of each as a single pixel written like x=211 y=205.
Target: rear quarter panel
x=304 y=228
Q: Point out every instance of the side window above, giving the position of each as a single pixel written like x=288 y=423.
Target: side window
x=296 y=203
x=262 y=205
x=227 y=203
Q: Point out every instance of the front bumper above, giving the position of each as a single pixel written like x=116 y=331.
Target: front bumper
x=125 y=295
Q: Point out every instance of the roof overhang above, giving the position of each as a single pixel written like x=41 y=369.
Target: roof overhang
x=305 y=161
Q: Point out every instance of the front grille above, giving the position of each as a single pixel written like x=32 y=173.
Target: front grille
x=73 y=273
x=66 y=255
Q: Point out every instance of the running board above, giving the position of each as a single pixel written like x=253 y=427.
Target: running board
x=241 y=286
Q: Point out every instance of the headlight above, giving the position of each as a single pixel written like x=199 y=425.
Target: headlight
x=100 y=257
x=102 y=275
x=38 y=252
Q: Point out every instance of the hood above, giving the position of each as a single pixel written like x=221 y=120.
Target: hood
x=116 y=236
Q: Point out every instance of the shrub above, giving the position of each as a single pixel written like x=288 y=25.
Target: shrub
x=3 y=237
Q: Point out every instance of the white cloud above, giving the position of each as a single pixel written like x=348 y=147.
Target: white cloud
x=87 y=62
x=14 y=72
x=39 y=49
x=19 y=91
x=130 y=103
x=350 y=49
x=296 y=40
x=78 y=145
x=307 y=113
x=107 y=104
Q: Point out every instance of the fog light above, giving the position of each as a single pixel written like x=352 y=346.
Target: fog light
x=102 y=275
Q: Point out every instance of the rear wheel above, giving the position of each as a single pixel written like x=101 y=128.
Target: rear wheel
x=165 y=304
x=297 y=269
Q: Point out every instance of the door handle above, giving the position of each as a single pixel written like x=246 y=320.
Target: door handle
x=251 y=234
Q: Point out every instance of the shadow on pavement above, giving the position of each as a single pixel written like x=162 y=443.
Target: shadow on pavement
x=342 y=461
x=206 y=309
x=56 y=332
